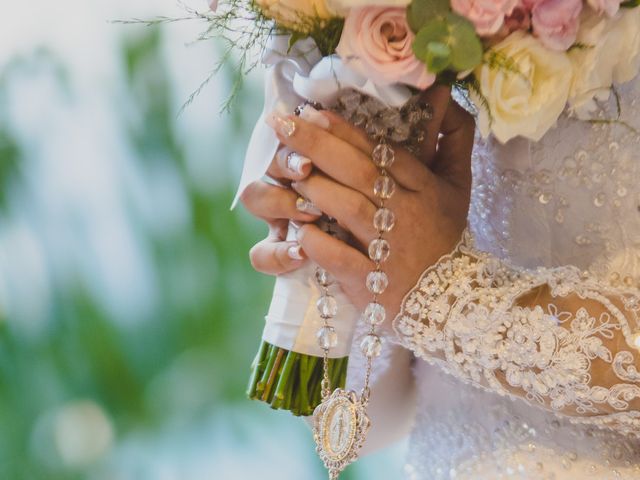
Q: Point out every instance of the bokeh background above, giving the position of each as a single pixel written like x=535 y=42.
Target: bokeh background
x=129 y=313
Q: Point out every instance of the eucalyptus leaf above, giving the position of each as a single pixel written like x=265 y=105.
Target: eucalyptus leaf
x=438 y=57
x=436 y=31
x=421 y=12
x=466 y=48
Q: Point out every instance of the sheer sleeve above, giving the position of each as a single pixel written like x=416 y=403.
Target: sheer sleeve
x=557 y=338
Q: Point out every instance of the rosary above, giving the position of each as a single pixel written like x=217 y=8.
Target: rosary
x=340 y=422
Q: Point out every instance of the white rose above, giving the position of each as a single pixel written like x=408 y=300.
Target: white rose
x=341 y=7
x=612 y=55
x=527 y=102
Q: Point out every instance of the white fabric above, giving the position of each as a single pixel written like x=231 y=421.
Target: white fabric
x=571 y=199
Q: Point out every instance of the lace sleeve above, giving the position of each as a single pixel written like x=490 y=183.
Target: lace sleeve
x=557 y=338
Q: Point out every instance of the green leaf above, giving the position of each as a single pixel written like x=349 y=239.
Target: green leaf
x=466 y=48
x=630 y=4
x=438 y=57
x=421 y=12
x=436 y=31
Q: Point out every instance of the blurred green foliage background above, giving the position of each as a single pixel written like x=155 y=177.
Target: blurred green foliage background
x=129 y=313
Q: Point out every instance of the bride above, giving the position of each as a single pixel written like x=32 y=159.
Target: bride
x=514 y=275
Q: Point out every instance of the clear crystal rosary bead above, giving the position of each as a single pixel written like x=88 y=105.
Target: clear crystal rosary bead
x=377 y=282
x=384 y=187
x=384 y=220
x=327 y=306
x=379 y=250
x=374 y=314
x=327 y=337
x=371 y=345
x=383 y=155
x=323 y=278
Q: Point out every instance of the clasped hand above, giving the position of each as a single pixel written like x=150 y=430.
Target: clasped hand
x=333 y=171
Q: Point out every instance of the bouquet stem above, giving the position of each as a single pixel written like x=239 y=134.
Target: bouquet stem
x=291 y=381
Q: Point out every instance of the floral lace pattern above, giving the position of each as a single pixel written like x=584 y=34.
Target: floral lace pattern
x=465 y=315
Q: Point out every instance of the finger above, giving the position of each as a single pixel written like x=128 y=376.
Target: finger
x=346 y=264
x=337 y=157
x=353 y=210
x=324 y=148
x=453 y=159
x=438 y=97
x=275 y=258
x=289 y=165
x=406 y=169
x=270 y=202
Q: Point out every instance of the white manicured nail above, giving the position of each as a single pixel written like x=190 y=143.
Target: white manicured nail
x=296 y=162
x=311 y=115
x=295 y=252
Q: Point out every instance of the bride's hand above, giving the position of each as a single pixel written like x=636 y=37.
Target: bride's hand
x=430 y=203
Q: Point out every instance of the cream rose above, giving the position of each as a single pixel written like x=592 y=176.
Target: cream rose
x=529 y=102
x=295 y=13
x=612 y=56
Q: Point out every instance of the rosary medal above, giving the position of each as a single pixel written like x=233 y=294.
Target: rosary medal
x=340 y=426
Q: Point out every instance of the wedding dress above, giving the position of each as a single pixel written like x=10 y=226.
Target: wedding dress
x=524 y=337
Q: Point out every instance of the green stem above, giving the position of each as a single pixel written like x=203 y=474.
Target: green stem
x=256 y=368
x=284 y=379
x=292 y=381
x=273 y=372
x=271 y=358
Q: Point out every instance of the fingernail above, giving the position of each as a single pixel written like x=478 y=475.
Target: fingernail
x=304 y=205
x=311 y=115
x=281 y=124
x=295 y=252
x=296 y=163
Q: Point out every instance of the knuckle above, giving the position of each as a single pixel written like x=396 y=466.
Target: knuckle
x=359 y=207
x=313 y=138
x=247 y=197
x=281 y=257
x=255 y=257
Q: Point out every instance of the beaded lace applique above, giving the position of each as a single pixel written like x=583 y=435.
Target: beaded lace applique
x=575 y=355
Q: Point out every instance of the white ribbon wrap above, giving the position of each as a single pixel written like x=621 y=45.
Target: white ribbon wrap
x=292 y=77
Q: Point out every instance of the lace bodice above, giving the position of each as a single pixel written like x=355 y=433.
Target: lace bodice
x=543 y=308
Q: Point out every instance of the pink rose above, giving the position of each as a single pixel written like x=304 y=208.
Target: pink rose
x=376 y=42
x=519 y=19
x=486 y=15
x=610 y=7
x=556 y=22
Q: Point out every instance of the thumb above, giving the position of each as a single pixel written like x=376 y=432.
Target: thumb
x=438 y=96
x=453 y=156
